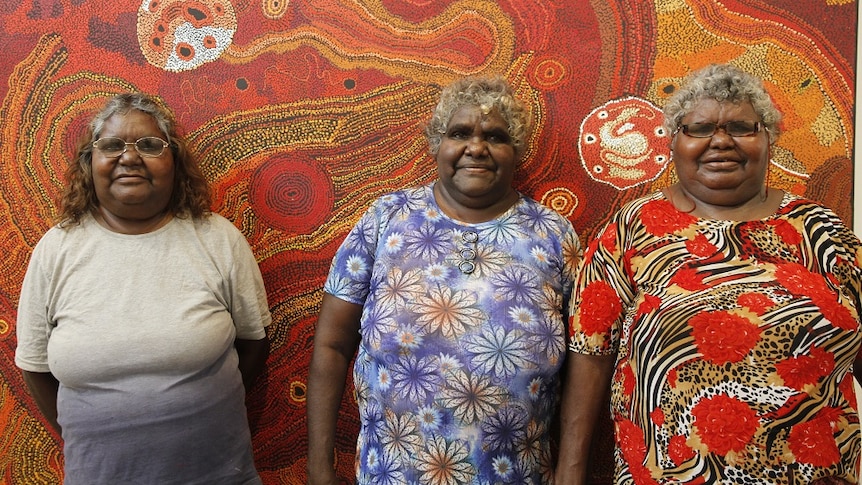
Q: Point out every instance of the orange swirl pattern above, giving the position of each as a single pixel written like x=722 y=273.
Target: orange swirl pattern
x=304 y=112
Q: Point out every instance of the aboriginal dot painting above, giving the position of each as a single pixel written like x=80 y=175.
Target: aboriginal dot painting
x=304 y=111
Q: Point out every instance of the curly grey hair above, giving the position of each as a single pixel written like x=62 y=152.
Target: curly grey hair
x=722 y=83
x=488 y=93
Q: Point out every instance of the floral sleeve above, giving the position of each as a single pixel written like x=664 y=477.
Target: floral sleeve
x=602 y=290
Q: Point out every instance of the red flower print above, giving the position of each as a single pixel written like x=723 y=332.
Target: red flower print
x=649 y=303
x=799 y=281
x=641 y=475
x=590 y=252
x=812 y=442
x=608 y=238
x=785 y=230
x=802 y=370
x=687 y=279
x=631 y=441
x=848 y=390
x=723 y=337
x=700 y=246
x=600 y=307
x=627 y=378
x=672 y=377
x=756 y=302
x=660 y=218
x=657 y=416
x=837 y=313
x=724 y=424
x=678 y=450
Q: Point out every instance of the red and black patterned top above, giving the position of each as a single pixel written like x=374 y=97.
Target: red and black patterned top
x=735 y=342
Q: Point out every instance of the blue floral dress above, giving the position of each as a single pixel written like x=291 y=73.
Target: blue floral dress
x=463 y=334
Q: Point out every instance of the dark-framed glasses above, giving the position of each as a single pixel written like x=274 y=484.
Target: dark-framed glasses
x=467 y=252
x=733 y=128
x=148 y=146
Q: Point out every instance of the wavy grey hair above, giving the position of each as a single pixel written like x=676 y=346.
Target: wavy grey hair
x=722 y=83
x=488 y=93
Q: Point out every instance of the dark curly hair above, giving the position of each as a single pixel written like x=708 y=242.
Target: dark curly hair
x=190 y=196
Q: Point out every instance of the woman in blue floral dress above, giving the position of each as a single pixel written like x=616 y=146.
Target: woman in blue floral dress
x=452 y=298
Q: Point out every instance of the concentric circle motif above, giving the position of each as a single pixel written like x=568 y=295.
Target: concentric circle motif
x=292 y=195
x=548 y=73
x=561 y=199
x=177 y=35
x=623 y=143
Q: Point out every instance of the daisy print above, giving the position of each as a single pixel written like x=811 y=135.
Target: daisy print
x=429 y=418
x=522 y=316
x=408 y=339
x=534 y=388
x=356 y=266
x=448 y=363
x=503 y=467
x=436 y=273
x=384 y=379
x=394 y=242
x=540 y=255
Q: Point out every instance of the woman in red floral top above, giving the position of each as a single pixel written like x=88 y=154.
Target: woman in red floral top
x=723 y=313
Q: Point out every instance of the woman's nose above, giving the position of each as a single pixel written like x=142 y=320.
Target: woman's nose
x=477 y=146
x=721 y=139
x=130 y=156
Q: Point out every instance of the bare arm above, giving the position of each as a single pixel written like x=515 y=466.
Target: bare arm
x=336 y=339
x=588 y=378
x=252 y=359
x=857 y=369
x=43 y=387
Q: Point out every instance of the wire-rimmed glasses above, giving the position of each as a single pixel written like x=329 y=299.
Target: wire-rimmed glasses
x=148 y=146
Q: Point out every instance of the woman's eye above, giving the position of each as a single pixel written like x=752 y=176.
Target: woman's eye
x=499 y=138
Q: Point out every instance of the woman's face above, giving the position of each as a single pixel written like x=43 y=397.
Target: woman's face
x=130 y=186
x=476 y=160
x=721 y=170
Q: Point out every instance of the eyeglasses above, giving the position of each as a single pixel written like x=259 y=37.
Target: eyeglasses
x=468 y=252
x=148 y=146
x=732 y=128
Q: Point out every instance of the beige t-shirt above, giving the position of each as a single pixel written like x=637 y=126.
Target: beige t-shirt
x=139 y=330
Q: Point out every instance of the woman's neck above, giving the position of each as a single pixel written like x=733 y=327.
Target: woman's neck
x=125 y=225
x=758 y=207
x=473 y=213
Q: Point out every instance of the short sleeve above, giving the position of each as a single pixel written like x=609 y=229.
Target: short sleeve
x=33 y=326
x=602 y=291
x=351 y=269
x=249 y=307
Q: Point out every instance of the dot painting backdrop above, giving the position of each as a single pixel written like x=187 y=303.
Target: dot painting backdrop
x=304 y=111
